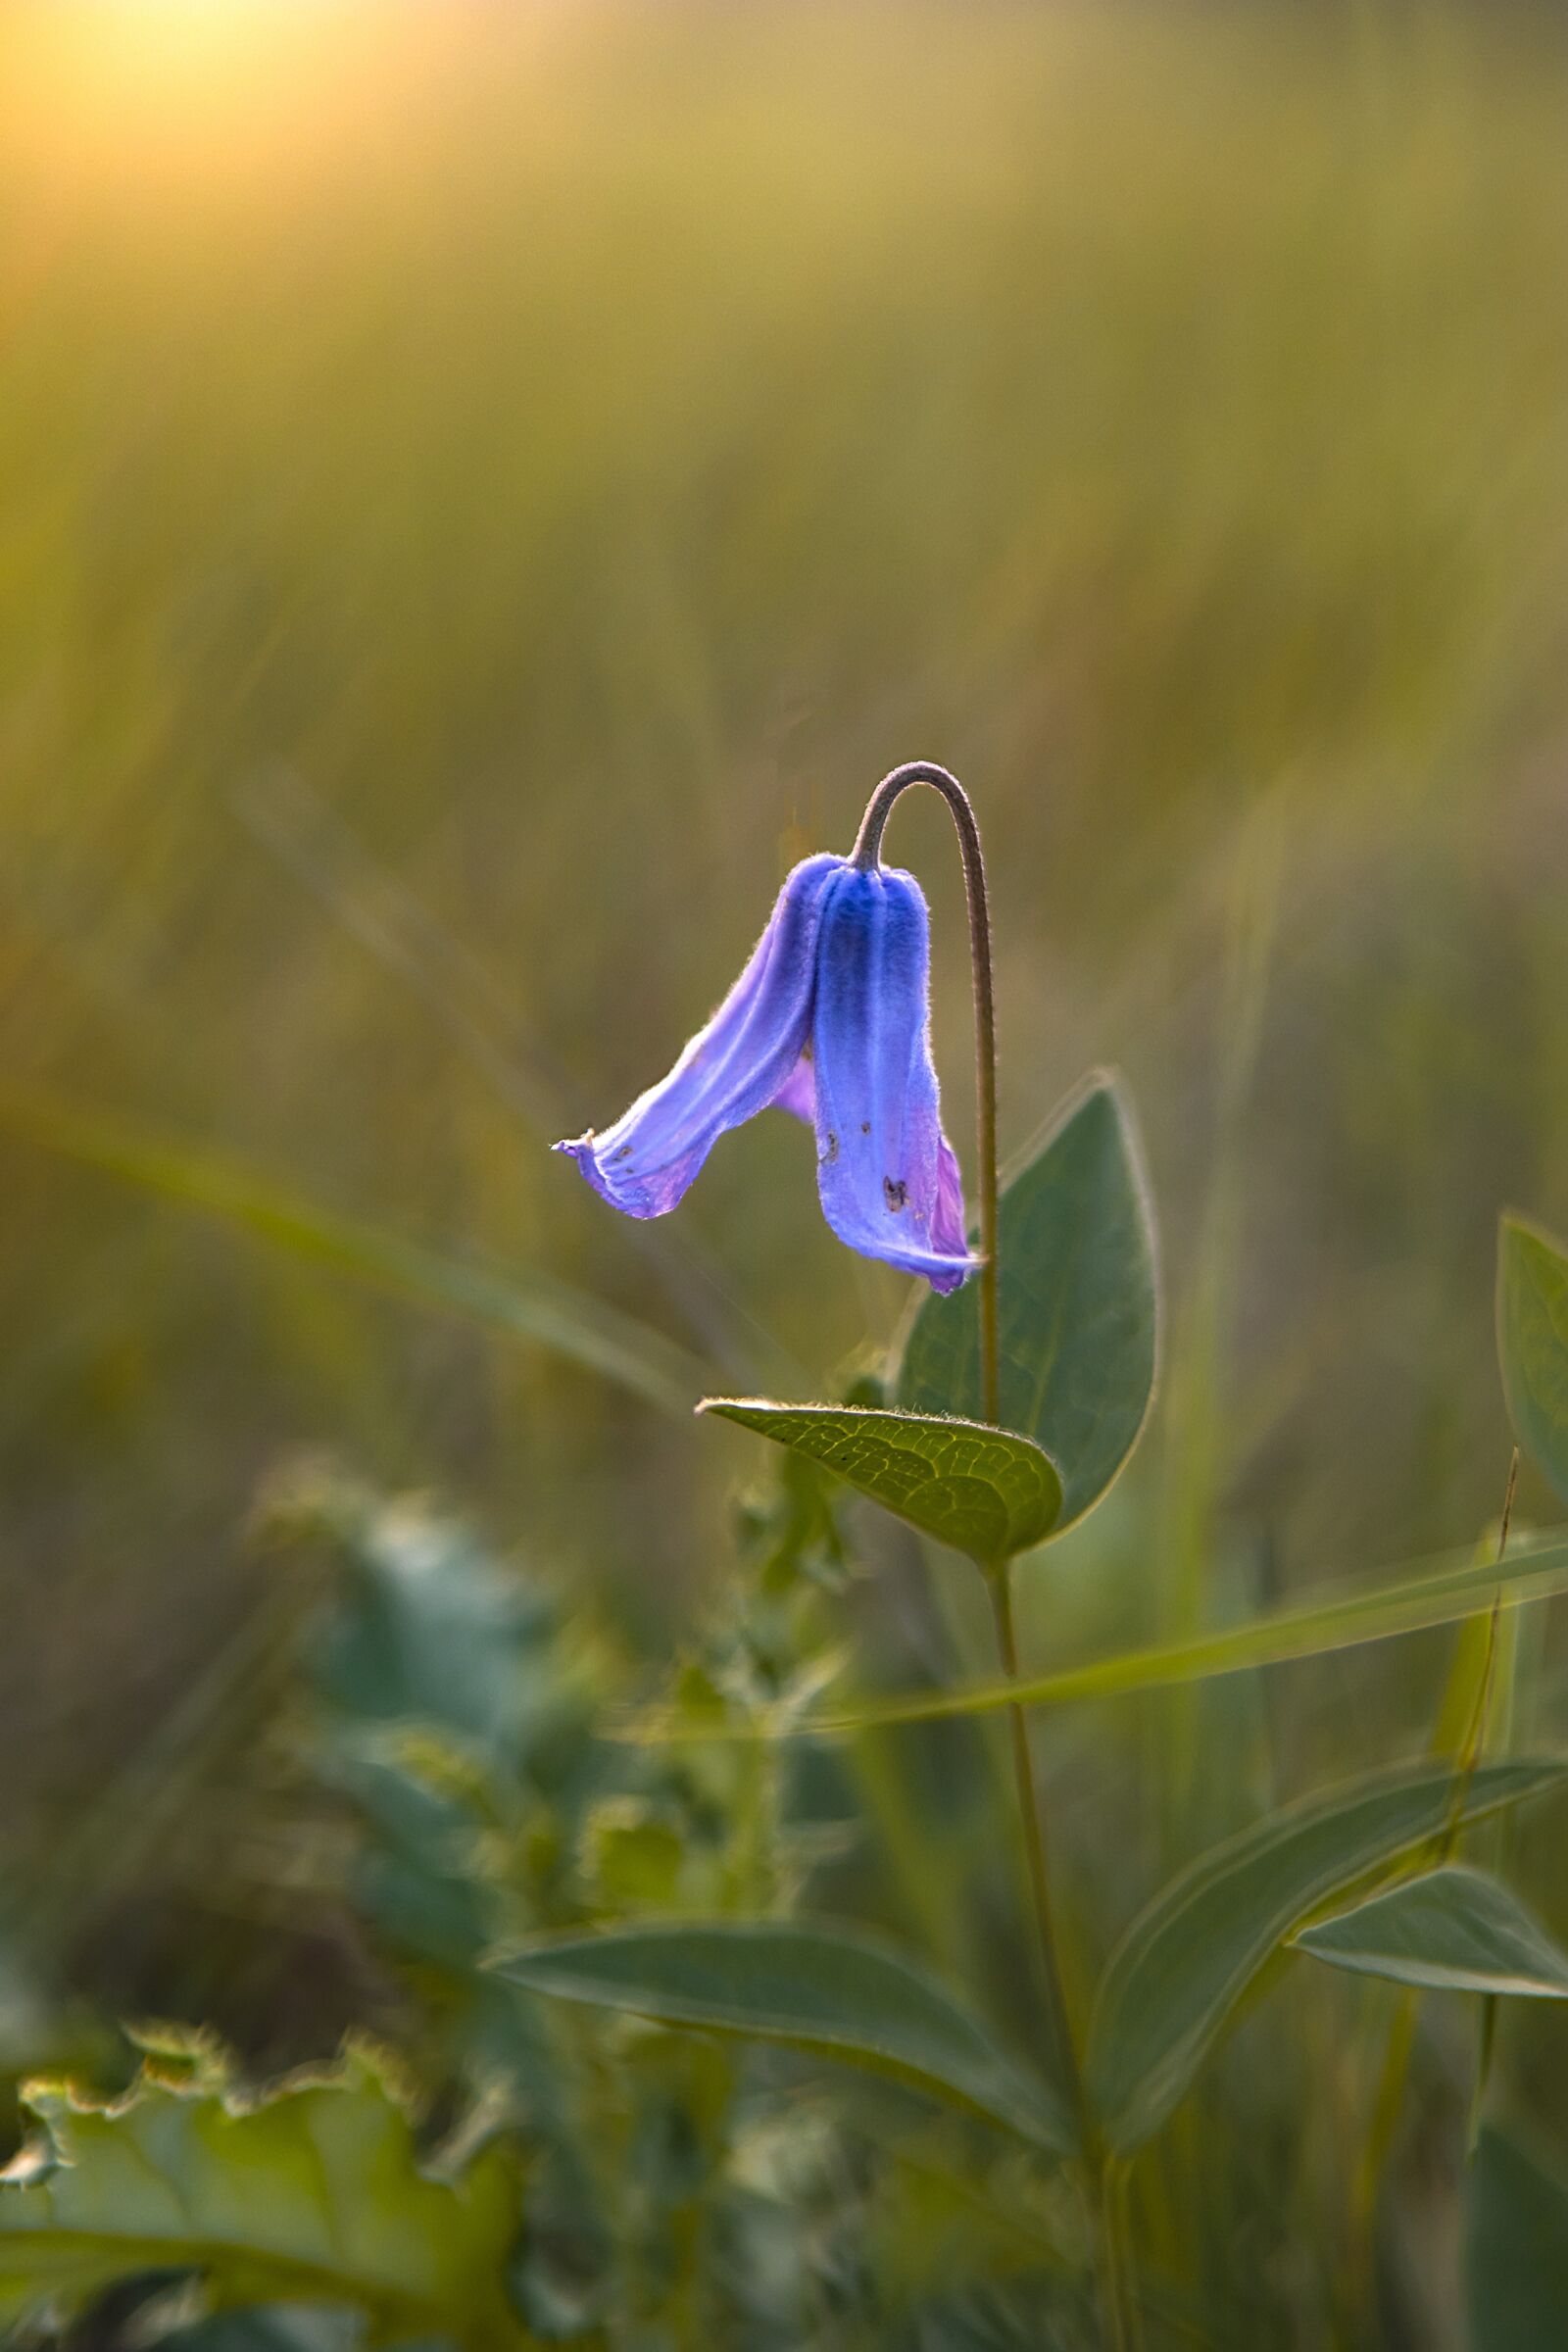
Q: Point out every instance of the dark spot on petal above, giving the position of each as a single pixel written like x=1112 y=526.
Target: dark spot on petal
x=623 y=1154
x=832 y=1151
x=866 y=1126
x=896 y=1190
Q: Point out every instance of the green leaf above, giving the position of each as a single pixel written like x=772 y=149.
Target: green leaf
x=1077 y=1305
x=1516 y=2277
x=1342 y=1621
x=525 y=1305
x=984 y=1490
x=1181 y=1966
x=1453 y=1930
x=834 y=1992
x=311 y=2194
x=1532 y=1344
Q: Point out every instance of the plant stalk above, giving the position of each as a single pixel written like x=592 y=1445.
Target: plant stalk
x=1118 y=2311
x=865 y=854
x=1388 y=2098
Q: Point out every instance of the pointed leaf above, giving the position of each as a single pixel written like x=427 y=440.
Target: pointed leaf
x=984 y=1490
x=1077 y=1305
x=1182 y=1967
x=1516 y=2277
x=1532 y=1344
x=832 y=1991
x=311 y=2194
x=1454 y=1930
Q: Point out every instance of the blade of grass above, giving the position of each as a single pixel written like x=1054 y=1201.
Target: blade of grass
x=525 y=1304
x=1339 y=1621
x=326 y=857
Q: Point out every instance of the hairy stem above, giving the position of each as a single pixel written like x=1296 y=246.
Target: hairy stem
x=865 y=854
x=1058 y=2020
x=1119 y=2315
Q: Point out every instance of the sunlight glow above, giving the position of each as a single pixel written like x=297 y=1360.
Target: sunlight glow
x=211 y=90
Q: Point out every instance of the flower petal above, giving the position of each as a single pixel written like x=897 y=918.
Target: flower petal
x=797 y=1094
x=886 y=1173
x=731 y=1069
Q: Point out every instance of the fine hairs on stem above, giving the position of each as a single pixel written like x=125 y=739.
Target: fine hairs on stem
x=1119 y=2313
x=867 y=852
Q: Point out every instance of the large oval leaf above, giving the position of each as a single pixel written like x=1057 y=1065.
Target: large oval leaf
x=1183 y=1964
x=984 y=1490
x=1532 y=1344
x=1452 y=1930
x=1516 y=2276
x=832 y=1991
x=1077 y=1303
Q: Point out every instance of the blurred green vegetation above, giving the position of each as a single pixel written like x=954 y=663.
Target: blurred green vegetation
x=483 y=490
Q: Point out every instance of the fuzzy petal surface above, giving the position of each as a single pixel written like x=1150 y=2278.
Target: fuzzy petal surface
x=888 y=1177
x=738 y=1063
x=797 y=1094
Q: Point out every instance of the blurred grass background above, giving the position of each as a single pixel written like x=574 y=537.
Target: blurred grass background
x=484 y=488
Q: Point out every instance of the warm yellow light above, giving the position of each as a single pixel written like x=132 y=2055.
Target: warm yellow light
x=204 y=90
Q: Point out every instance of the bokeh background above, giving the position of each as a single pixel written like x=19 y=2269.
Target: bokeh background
x=484 y=488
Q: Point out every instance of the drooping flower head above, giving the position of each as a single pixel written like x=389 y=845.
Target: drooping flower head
x=830 y=1020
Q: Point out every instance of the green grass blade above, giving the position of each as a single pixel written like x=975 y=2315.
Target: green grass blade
x=1453 y=1930
x=525 y=1305
x=1532 y=1344
x=1175 y=1979
x=1341 y=1621
x=829 y=1992
x=985 y=1492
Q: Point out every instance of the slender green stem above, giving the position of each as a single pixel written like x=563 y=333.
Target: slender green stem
x=1389 y=2096
x=1064 y=2047
x=866 y=852
x=1119 y=2316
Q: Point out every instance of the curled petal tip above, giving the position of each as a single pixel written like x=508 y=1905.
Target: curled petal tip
x=583 y=1149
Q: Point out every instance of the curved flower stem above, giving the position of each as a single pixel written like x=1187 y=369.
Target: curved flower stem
x=1118 y=2309
x=865 y=854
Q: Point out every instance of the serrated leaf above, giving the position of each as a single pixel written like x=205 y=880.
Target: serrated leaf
x=1532 y=1344
x=522 y=1304
x=832 y=1993
x=986 y=1491
x=1077 y=1305
x=1516 y=2275
x=1182 y=1967
x=310 y=2195
x=1453 y=1930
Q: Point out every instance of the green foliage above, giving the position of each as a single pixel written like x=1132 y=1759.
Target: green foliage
x=1312 y=1630
x=1179 y=1972
x=1450 y=1931
x=1516 y=2279
x=1077 y=1305
x=983 y=1490
x=312 y=2192
x=1532 y=1344
x=830 y=1992
x=573 y=442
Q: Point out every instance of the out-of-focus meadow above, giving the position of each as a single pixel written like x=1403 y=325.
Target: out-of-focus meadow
x=484 y=489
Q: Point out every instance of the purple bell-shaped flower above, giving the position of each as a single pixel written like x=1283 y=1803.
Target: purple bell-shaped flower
x=831 y=1020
